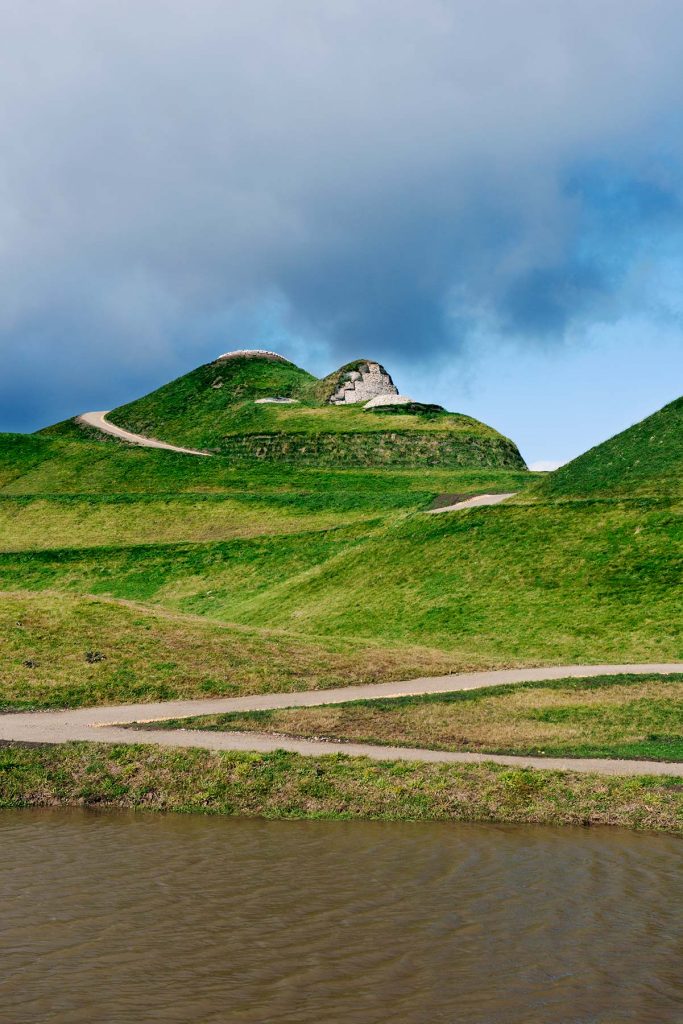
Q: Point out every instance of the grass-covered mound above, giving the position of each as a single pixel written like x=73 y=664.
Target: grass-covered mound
x=72 y=651
x=216 y=408
x=77 y=461
x=646 y=459
x=506 y=585
x=70 y=490
x=344 y=553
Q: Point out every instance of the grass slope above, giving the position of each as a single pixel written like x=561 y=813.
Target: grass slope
x=501 y=585
x=625 y=716
x=646 y=459
x=74 y=461
x=288 y=786
x=214 y=408
x=63 y=651
x=68 y=489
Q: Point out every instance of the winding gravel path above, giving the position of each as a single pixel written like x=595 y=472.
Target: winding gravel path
x=97 y=420
x=104 y=724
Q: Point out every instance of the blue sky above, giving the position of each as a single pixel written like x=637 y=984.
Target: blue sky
x=486 y=196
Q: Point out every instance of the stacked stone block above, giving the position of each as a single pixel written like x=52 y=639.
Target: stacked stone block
x=362 y=384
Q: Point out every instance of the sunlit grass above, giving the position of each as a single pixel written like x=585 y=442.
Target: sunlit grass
x=614 y=716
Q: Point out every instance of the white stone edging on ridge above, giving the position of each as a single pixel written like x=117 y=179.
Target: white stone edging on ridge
x=241 y=352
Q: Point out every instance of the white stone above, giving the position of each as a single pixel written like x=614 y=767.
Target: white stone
x=388 y=400
x=252 y=352
x=276 y=401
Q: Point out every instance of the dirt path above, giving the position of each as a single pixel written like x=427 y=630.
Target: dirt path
x=475 y=502
x=97 y=420
x=103 y=724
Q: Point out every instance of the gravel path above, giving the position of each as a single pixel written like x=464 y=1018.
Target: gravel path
x=97 y=420
x=103 y=724
x=479 y=499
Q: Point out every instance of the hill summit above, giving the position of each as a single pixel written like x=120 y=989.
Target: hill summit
x=645 y=459
x=254 y=403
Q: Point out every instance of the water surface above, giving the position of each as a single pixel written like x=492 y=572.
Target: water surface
x=136 y=918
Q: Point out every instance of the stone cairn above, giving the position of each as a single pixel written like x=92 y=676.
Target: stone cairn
x=362 y=384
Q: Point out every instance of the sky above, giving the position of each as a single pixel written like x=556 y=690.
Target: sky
x=484 y=195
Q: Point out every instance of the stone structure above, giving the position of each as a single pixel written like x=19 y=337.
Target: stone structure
x=360 y=385
x=263 y=353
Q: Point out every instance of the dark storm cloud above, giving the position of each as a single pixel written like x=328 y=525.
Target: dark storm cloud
x=382 y=177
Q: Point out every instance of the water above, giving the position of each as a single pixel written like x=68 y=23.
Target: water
x=124 y=918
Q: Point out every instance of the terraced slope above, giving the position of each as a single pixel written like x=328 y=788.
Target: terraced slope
x=70 y=491
x=493 y=586
x=217 y=408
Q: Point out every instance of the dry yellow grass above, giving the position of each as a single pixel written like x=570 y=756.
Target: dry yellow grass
x=282 y=785
x=542 y=718
x=58 y=650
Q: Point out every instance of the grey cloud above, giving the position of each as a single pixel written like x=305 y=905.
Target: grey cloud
x=376 y=177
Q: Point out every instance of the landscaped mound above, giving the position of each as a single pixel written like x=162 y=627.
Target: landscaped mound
x=646 y=459
x=220 y=408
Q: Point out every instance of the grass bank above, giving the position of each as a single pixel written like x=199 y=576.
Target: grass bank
x=585 y=581
x=60 y=651
x=78 y=461
x=645 y=459
x=283 y=785
x=621 y=716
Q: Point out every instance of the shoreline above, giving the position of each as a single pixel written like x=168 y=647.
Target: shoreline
x=331 y=786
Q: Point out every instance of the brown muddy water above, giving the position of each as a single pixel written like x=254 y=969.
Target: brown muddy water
x=135 y=918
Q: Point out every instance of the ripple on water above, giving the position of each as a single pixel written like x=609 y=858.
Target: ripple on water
x=122 y=917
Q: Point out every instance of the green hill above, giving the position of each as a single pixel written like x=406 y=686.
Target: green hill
x=129 y=573
x=646 y=459
x=84 y=488
x=219 y=408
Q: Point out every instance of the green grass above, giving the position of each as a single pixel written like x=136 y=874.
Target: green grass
x=622 y=716
x=79 y=462
x=535 y=584
x=214 y=408
x=67 y=488
x=274 y=575
x=283 y=785
x=646 y=459
x=60 y=651
x=93 y=521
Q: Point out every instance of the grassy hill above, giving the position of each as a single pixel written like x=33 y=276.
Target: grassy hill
x=492 y=587
x=130 y=573
x=216 y=408
x=85 y=489
x=80 y=494
x=646 y=459
x=347 y=553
